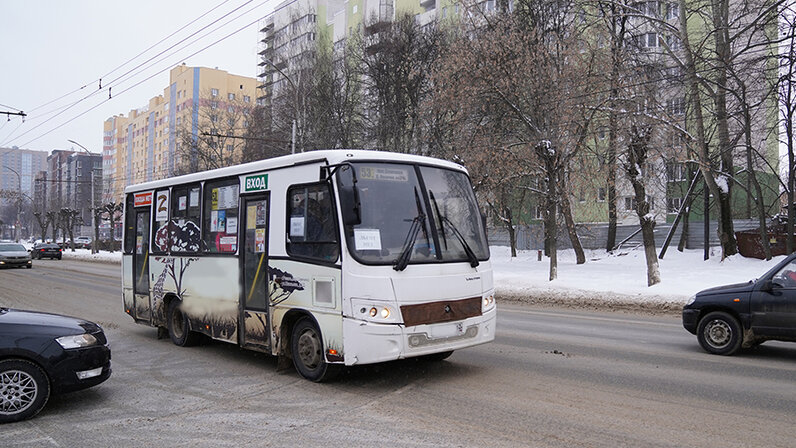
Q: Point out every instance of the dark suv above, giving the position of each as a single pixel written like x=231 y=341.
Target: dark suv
x=727 y=318
x=46 y=250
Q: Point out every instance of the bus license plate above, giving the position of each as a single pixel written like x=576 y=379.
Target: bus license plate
x=447 y=330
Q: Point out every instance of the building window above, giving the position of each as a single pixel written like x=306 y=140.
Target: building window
x=676 y=106
x=213 y=92
x=214 y=104
x=630 y=203
x=673 y=11
x=247 y=99
x=675 y=171
x=231 y=96
x=601 y=194
x=673 y=204
x=648 y=40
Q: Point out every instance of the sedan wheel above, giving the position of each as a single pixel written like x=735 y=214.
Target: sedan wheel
x=719 y=333
x=24 y=390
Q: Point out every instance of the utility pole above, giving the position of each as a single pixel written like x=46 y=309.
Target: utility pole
x=9 y=114
x=17 y=224
x=93 y=203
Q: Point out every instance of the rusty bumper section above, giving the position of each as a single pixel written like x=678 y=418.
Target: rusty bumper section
x=443 y=311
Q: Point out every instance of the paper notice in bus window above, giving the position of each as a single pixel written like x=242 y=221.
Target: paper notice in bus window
x=261 y=213
x=259 y=241
x=384 y=174
x=183 y=202
x=251 y=217
x=222 y=220
x=232 y=225
x=228 y=197
x=162 y=206
x=139 y=245
x=228 y=241
x=367 y=239
x=214 y=221
x=297 y=226
x=195 y=198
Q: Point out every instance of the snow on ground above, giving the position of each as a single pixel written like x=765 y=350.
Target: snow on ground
x=612 y=281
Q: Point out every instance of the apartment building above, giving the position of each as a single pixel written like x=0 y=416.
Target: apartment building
x=162 y=139
x=18 y=169
x=69 y=181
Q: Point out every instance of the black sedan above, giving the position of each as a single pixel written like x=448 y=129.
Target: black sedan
x=14 y=255
x=44 y=353
x=46 y=250
x=726 y=318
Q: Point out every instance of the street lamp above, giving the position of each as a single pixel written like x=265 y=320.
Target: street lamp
x=19 y=201
x=293 y=135
x=93 y=204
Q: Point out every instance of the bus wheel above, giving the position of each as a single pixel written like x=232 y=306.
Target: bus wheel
x=306 y=346
x=178 y=326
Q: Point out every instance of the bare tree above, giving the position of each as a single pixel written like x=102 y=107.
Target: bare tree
x=397 y=60
x=786 y=95
x=217 y=140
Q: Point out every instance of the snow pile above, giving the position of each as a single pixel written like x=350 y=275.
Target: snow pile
x=620 y=278
x=86 y=255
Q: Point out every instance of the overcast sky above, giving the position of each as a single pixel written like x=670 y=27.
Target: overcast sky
x=52 y=48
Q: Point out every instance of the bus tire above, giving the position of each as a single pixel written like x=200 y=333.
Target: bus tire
x=179 y=331
x=306 y=346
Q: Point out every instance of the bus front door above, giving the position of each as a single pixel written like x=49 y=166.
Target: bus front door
x=254 y=260
x=143 y=310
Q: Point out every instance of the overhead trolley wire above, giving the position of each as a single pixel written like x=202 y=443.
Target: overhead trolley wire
x=147 y=78
x=114 y=83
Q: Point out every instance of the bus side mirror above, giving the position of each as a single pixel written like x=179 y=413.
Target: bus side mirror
x=349 y=205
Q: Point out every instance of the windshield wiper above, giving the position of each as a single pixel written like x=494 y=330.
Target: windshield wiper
x=439 y=219
x=409 y=242
x=471 y=257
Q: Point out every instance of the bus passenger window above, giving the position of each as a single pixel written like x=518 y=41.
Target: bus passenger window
x=185 y=230
x=160 y=225
x=129 y=225
x=220 y=216
x=312 y=232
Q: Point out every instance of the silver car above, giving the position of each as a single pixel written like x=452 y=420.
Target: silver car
x=14 y=255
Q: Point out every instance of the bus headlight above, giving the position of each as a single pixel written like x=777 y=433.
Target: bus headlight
x=487 y=303
x=375 y=312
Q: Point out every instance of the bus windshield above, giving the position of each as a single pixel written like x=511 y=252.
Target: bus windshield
x=414 y=214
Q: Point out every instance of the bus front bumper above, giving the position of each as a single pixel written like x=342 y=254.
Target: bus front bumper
x=367 y=342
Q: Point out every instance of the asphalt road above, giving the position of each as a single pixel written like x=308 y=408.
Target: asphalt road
x=552 y=378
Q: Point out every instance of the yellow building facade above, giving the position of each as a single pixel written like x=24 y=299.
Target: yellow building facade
x=156 y=141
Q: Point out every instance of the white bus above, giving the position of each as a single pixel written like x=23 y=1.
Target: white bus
x=328 y=258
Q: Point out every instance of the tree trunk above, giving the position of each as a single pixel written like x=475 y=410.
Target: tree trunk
x=726 y=236
x=637 y=155
x=760 y=207
x=512 y=232
x=683 y=243
x=724 y=199
x=566 y=210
